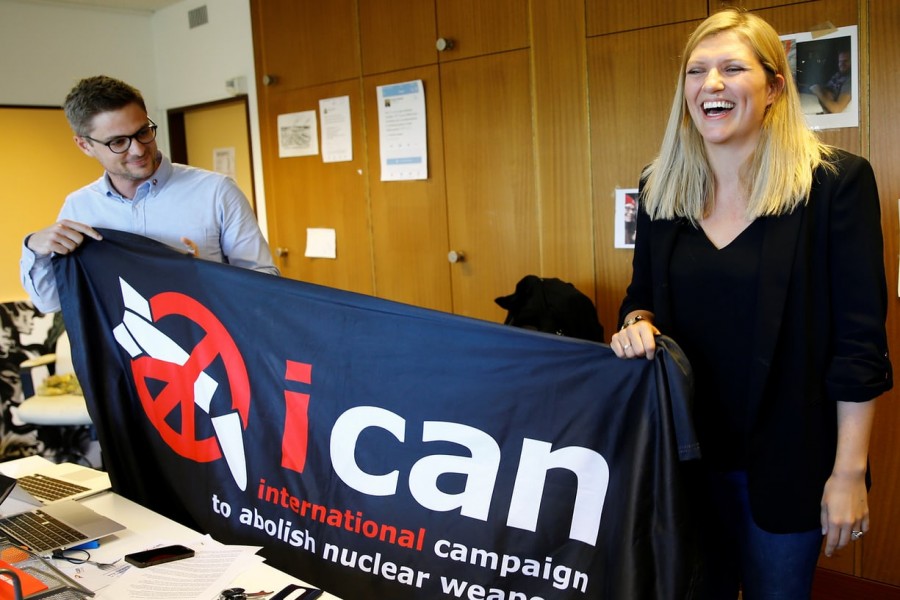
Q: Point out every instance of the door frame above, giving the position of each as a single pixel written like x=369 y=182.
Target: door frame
x=178 y=134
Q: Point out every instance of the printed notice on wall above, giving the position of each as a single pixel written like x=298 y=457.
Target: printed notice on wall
x=401 y=125
x=337 y=138
x=321 y=242
x=298 y=134
x=223 y=161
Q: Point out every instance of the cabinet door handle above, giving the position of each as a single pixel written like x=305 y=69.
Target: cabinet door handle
x=454 y=257
x=270 y=79
x=443 y=44
x=281 y=252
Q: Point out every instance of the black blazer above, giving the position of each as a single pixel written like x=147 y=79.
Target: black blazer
x=819 y=333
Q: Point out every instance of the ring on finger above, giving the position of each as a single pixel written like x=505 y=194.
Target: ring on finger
x=626 y=346
x=855 y=535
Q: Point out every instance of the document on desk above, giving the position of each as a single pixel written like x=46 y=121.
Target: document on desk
x=200 y=577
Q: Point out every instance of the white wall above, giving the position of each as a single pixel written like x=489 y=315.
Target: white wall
x=192 y=65
x=46 y=48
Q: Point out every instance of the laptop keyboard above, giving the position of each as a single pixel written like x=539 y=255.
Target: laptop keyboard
x=39 y=531
x=49 y=489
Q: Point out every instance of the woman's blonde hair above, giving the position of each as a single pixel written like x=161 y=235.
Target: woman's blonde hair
x=679 y=182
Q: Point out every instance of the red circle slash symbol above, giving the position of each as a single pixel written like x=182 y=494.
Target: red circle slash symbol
x=178 y=392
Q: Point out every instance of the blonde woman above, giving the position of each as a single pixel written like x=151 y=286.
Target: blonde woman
x=759 y=250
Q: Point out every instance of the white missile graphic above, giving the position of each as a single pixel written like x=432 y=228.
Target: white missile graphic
x=137 y=335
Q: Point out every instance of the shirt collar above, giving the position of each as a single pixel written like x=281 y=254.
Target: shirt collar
x=151 y=186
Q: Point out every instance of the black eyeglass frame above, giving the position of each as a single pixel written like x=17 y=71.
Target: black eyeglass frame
x=151 y=129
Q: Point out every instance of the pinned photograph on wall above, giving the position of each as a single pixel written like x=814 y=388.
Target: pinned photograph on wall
x=298 y=134
x=626 y=217
x=825 y=64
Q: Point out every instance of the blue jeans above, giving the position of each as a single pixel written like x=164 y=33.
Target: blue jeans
x=739 y=555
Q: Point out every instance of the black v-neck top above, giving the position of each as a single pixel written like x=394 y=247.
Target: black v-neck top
x=714 y=296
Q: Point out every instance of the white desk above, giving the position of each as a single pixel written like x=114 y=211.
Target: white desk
x=143 y=524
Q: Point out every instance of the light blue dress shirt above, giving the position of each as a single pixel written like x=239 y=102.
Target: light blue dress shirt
x=178 y=201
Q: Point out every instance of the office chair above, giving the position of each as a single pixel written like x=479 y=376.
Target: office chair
x=65 y=409
x=65 y=425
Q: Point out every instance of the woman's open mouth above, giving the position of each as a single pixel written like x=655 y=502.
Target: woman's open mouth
x=717 y=107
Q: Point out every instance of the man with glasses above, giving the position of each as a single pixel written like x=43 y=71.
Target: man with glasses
x=141 y=192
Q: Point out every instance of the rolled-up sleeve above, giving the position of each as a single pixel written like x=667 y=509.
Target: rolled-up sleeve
x=860 y=368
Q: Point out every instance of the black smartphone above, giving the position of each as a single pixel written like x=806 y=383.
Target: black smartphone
x=158 y=556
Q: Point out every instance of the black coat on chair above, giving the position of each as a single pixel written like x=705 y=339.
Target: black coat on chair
x=552 y=306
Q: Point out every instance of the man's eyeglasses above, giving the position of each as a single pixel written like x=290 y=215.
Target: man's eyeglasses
x=121 y=144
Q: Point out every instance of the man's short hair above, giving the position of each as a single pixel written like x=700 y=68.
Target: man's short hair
x=94 y=95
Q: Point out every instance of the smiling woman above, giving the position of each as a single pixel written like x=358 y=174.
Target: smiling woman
x=759 y=251
x=728 y=91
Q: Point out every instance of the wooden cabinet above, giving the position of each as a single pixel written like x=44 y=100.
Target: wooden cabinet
x=303 y=192
x=299 y=43
x=605 y=17
x=409 y=218
x=396 y=34
x=400 y=34
x=306 y=51
x=476 y=27
x=489 y=158
x=479 y=199
x=394 y=237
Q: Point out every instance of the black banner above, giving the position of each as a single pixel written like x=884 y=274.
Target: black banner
x=376 y=449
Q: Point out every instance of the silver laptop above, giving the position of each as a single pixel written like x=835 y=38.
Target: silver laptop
x=56 y=483
x=56 y=526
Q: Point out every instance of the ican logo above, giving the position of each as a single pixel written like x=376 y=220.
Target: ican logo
x=186 y=386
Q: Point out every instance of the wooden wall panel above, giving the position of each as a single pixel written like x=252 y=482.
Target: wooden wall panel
x=396 y=34
x=305 y=192
x=409 y=218
x=563 y=142
x=477 y=27
x=306 y=42
x=489 y=156
x=630 y=98
x=881 y=549
x=605 y=16
x=715 y=5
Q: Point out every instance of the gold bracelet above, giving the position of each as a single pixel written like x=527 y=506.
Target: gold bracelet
x=631 y=321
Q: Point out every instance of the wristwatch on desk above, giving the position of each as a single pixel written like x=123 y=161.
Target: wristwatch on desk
x=287 y=592
x=242 y=594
